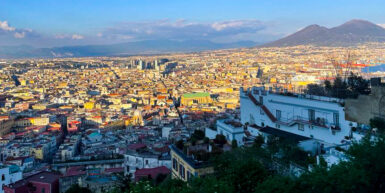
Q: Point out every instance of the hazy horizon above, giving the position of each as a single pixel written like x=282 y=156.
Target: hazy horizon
x=49 y=23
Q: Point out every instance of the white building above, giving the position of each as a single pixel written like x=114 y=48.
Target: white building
x=135 y=160
x=232 y=130
x=8 y=175
x=320 y=118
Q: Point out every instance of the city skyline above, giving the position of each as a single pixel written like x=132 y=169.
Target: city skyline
x=51 y=23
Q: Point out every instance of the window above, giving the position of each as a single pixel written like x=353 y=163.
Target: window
x=261 y=111
x=278 y=114
x=2 y=177
x=146 y=162
x=188 y=175
x=43 y=190
x=261 y=100
x=277 y=126
x=175 y=164
x=301 y=127
x=181 y=171
x=336 y=119
x=311 y=115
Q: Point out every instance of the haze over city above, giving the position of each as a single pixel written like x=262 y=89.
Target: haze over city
x=49 y=23
x=214 y=96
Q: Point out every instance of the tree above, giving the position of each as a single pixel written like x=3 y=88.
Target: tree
x=244 y=170
x=220 y=139
x=378 y=123
x=368 y=156
x=358 y=85
x=259 y=141
x=328 y=87
x=124 y=182
x=77 y=189
x=350 y=88
x=315 y=89
x=198 y=134
x=210 y=184
x=274 y=184
x=206 y=140
x=241 y=168
x=234 y=144
x=339 y=89
x=180 y=144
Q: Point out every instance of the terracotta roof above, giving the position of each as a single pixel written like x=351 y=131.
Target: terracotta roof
x=114 y=170
x=153 y=172
x=41 y=177
x=75 y=171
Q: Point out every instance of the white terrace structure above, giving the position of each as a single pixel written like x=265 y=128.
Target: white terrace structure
x=321 y=118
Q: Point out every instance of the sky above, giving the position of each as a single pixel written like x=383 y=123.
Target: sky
x=51 y=23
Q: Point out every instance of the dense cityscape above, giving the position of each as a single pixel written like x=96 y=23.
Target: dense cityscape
x=304 y=112
x=93 y=119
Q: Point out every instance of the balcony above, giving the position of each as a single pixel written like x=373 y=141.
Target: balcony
x=319 y=122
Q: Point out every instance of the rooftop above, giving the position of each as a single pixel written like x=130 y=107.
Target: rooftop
x=193 y=163
x=41 y=177
x=284 y=134
x=196 y=95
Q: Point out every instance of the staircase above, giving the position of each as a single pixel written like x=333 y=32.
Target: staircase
x=264 y=108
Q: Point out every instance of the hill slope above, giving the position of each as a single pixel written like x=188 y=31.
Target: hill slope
x=350 y=33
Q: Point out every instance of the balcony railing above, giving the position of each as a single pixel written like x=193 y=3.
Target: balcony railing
x=320 y=122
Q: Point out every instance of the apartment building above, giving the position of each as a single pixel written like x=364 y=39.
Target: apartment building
x=184 y=167
x=320 y=118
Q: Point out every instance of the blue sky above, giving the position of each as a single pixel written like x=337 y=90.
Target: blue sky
x=72 y=22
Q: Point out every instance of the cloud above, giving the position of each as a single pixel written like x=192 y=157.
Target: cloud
x=65 y=36
x=181 y=29
x=218 y=31
x=250 y=24
x=61 y=36
x=19 y=35
x=382 y=25
x=4 y=26
x=77 y=37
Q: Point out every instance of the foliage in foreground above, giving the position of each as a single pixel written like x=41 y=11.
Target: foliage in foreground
x=77 y=189
x=242 y=171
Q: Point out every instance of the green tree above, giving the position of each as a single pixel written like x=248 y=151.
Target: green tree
x=210 y=184
x=277 y=184
x=378 y=123
x=315 y=89
x=340 y=89
x=77 y=189
x=259 y=141
x=180 y=144
x=220 y=139
x=234 y=144
x=198 y=135
x=358 y=85
x=124 y=182
x=241 y=168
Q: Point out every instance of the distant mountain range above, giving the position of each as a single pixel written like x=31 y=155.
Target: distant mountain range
x=123 y=49
x=348 y=34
